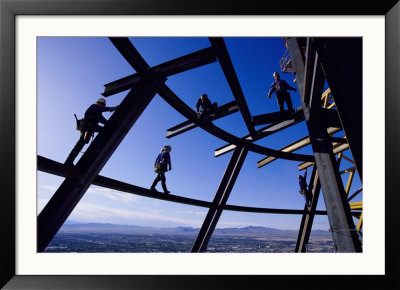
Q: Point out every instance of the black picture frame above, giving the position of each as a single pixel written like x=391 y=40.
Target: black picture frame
x=9 y=9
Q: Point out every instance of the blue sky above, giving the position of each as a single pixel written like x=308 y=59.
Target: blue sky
x=72 y=72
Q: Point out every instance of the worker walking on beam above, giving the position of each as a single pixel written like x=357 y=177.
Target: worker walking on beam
x=88 y=126
x=206 y=107
x=280 y=87
x=163 y=161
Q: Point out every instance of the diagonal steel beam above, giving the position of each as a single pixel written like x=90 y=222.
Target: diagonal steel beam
x=220 y=199
x=308 y=217
x=220 y=112
x=67 y=196
x=129 y=52
x=227 y=67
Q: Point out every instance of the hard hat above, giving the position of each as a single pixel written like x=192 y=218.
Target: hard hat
x=101 y=101
x=167 y=146
x=275 y=74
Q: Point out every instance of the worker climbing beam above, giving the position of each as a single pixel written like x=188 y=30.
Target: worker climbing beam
x=311 y=79
x=220 y=112
x=67 y=196
x=227 y=67
x=220 y=199
x=308 y=217
x=293 y=147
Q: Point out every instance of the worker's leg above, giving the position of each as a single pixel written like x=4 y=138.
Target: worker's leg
x=75 y=151
x=163 y=183
x=289 y=103
x=156 y=180
x=280 y=103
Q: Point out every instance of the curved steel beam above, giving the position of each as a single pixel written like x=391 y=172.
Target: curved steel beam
x=53 y=167
x=175 y=102
x=129 y=52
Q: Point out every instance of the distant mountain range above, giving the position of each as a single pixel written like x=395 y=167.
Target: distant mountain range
x=250 y=231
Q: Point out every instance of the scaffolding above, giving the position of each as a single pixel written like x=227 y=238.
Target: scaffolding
x=336 y=110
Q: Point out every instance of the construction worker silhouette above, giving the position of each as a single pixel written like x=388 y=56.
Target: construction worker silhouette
x=280 y=87
x=206 y=107
x=163 y=161
x=88 y=126
x=305 y=191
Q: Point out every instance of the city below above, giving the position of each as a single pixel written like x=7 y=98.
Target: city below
x=111 y=238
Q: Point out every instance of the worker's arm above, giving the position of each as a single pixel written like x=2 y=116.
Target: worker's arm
x=271 y=90
x=289 y=87
x=198 y=105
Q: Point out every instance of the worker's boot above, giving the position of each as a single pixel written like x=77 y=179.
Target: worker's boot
x=164 y=186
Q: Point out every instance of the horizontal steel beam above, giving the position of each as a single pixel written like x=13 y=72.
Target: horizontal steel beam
x=278 y=117
x=220 y=112
x=53 y=167
x=181 y=64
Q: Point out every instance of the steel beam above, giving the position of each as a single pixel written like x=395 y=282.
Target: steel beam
x=293 y=147
x=220 y=199
x=181 y=64
x=336 y=150
x=100 y=150
x=308 y=217
x=59 y=169
x=311 y=80
x=222 y=111
x=187 y=112
x=261 y=133
x=341 y=60
x=227 y=67
x=275 y=117
x=168 y=95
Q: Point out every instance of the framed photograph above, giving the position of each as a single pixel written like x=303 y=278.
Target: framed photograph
x=38 y=87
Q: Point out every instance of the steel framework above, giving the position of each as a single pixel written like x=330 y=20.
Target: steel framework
x=338 y=109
